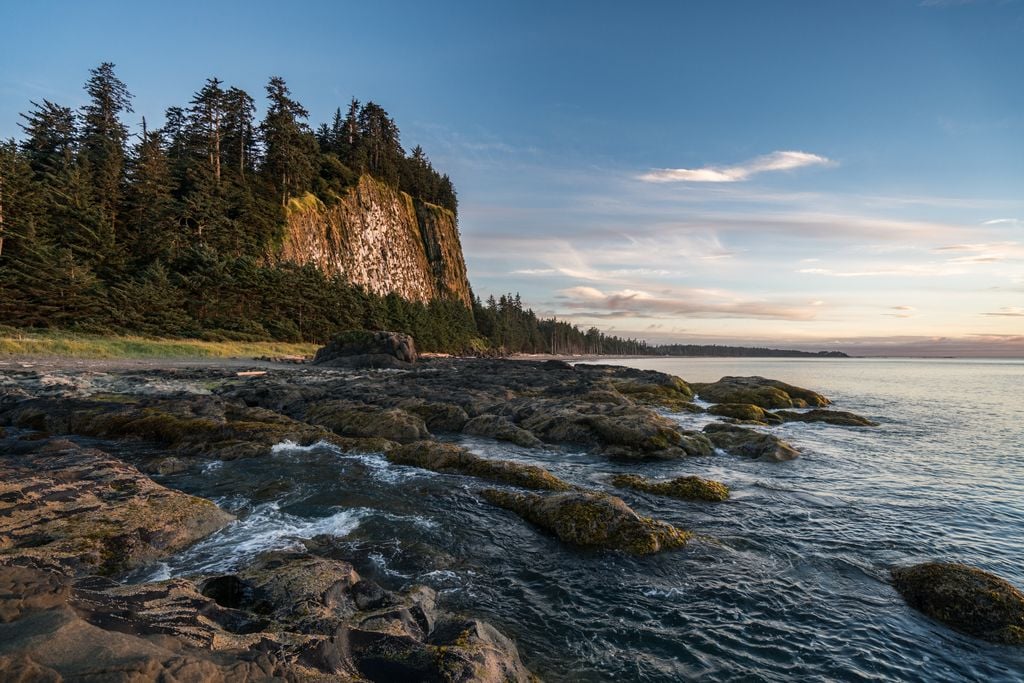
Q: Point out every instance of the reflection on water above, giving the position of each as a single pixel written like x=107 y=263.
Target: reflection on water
x=790 y=583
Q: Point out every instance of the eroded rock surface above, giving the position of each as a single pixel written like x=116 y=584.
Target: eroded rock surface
x=88 y=512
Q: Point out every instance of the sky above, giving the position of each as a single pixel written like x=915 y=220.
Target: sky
x=823 y=174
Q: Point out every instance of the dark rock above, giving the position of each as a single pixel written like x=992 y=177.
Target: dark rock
x=745 y=412
x=500 y=428
x=765 y=393
x=591 y=519
x=449 y=458
x=684 y=488
x=834 y=417
x=749 y=443
x=966 y=599
x=340 y=352
x=354 y=419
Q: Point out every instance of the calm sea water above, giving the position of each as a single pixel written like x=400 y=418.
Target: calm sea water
x=791 y=581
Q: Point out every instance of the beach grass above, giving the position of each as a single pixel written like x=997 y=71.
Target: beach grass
x=72 y=345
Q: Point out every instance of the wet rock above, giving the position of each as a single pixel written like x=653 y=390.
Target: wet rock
x=765 y=393
x=439 y=417
x=290 y=616
x=83 y=510
x=365 y=349
x=833 y=417
x=353 y=419
x=619 y=429
x=498 y=427
x=648 y=386
x=966 y=599
x=471 y=650
x=452 y=459
x=684 y=488
x=745 y=412
x=101 y=630
x=591 y=519
x=201 y=425
x=749 y=443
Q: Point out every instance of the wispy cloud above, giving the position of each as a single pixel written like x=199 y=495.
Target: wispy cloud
x=677 y=303
x=1008 y=312
x=776 y=161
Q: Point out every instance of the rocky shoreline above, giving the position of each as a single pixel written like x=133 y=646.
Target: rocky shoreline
x=74 y=519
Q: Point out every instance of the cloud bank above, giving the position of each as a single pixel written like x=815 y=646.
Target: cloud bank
x=776 y=161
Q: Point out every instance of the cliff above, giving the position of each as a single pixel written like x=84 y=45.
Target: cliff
x=381 y=239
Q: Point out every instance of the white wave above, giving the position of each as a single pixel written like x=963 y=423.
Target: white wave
x=289 y=446
x=384 y=470
x=663 y=592
x=265 y=528
x=212 y=466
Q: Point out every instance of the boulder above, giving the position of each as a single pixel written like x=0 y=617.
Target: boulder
x=749 y=443
x=765 y=393
x=684 y=488
x=452 y=459
x=745 y=412
x=833 y=417
x=619 y=429
x=354 y=419
x=591 y=519
x=366 y=349
x=500 y=428
x=966 y=599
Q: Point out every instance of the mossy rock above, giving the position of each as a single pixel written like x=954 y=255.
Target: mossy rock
x=749 y=443
x=353 y=419
x=833 y=417
x=759 y=391
x=591 y=519
x=452 y=459
x=656 y=388
x=966 y=599
x=746 y=412
x=683 y=488
x=502 y=429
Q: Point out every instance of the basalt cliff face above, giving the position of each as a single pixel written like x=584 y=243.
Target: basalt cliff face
x=380 y=239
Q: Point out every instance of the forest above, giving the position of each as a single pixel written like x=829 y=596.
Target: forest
x=164 y=231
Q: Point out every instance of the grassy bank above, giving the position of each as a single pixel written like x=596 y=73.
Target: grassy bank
x=69 y=345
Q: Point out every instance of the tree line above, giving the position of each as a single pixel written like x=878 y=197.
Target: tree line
x=166 y=230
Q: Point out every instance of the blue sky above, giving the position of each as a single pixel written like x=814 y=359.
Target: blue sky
x=828 y=174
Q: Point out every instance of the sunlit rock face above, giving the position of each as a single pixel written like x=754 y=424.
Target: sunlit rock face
x=380 y=239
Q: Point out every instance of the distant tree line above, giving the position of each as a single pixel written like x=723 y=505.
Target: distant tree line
x=728 y=351
x=166 y=231
x=507 y=326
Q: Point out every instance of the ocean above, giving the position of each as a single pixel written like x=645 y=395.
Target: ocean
x=788 y=580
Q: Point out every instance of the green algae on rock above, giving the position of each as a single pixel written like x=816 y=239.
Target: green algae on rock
x=746 y=412
x=684 y=488
x=833 y=417
x=588 y=518
x=765 y=393
x=449 y=458
x=749 y=443
x=500 y=428
x=964 y=598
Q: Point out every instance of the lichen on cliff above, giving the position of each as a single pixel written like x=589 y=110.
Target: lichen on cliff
x=381 y=239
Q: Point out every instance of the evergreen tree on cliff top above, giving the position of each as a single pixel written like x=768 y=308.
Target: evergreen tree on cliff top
x=104 y=137
x=290 y=146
